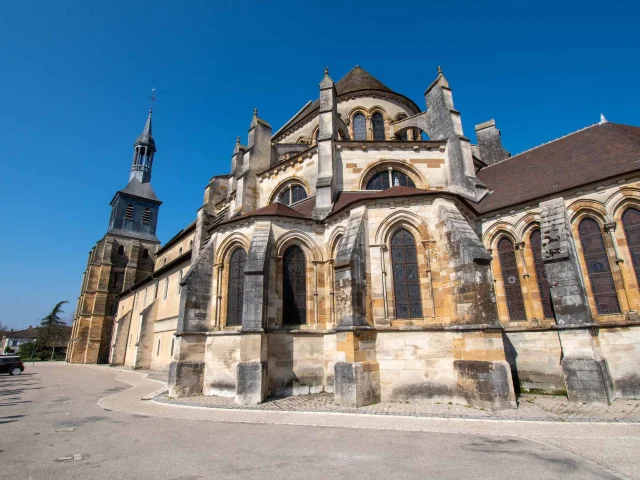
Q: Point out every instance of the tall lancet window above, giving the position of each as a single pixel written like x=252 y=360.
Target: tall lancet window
x=294 y=286
x=378 y=126
x=631 y=223
x=235 y=295
x=406 y=277
x=541 y=274
x=511 y=279
x=595 y=257
x=359 y=127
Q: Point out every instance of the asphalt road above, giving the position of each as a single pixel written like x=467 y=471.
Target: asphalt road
x=50 y=413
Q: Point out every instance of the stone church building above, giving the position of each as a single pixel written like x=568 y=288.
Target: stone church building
x=368 y=249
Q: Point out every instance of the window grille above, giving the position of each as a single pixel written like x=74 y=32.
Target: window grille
x=291 y=194
x=598 y=269
x=236 y=287
x=359 y=127
x=406 y=277
x=511 y=280
x=631 y=224
x=378 y=126
x=294 y=286
x=386 y=179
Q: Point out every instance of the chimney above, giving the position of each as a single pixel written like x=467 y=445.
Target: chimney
x=489 y=143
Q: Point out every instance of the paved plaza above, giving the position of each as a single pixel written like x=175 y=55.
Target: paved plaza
x=81 y=422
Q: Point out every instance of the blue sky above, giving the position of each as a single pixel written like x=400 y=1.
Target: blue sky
x=74 y=77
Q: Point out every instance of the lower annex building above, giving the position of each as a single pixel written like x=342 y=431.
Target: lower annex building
x=368 y=249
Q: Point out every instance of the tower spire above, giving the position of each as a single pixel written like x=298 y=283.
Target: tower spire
x=144 y=149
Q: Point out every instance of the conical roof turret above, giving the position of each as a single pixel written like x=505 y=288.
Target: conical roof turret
x=146 y=137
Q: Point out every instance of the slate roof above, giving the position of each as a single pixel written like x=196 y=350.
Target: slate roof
x=141 y=190
x=275 y=209
x=357 y=80
x=589 y=155
x=146 y=137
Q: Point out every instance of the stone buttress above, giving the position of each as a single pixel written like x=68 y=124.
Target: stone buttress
x=585 y=370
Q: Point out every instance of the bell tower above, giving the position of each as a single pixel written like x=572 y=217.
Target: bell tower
x=124 y=256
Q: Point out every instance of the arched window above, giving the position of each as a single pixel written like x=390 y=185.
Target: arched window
x=541 y=274
x=294 y=286
x=236 y=287
x=378 y=126
x=180 y=251
x=291 y=194
x=511 y=279
x=145 y=253
x=406 y=278
x=631 y=224
x=121 y=250
x=389 y=178
x=173 y=341
x=359 y=127
x=158 y=350
x=316 y=135
x=595 y=257
x=190 y=244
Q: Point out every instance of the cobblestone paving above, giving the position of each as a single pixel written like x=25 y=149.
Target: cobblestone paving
x=530 y=407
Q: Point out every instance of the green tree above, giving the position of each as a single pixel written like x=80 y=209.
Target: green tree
x=52 y=331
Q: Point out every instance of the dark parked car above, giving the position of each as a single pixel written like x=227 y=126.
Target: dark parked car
x=11 y=364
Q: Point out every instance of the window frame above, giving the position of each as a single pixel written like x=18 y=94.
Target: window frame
x=589 y=260
x=236 y=256
x=356 y=134
x=516 y=308
x=398 y=258
x=288 y=189
x=379 y=131
x=300 y=289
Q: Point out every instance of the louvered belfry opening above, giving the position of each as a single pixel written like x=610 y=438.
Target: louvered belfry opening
x=128 y=212
x=294 y=286
x=146 y=216
x=598 y=269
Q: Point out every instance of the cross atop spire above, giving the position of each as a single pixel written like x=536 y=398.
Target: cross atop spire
x=152 y=99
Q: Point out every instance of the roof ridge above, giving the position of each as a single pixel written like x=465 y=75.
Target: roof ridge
x=543 y=144
x=347 y=74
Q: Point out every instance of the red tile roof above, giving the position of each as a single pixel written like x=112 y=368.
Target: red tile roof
x=589 y=155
